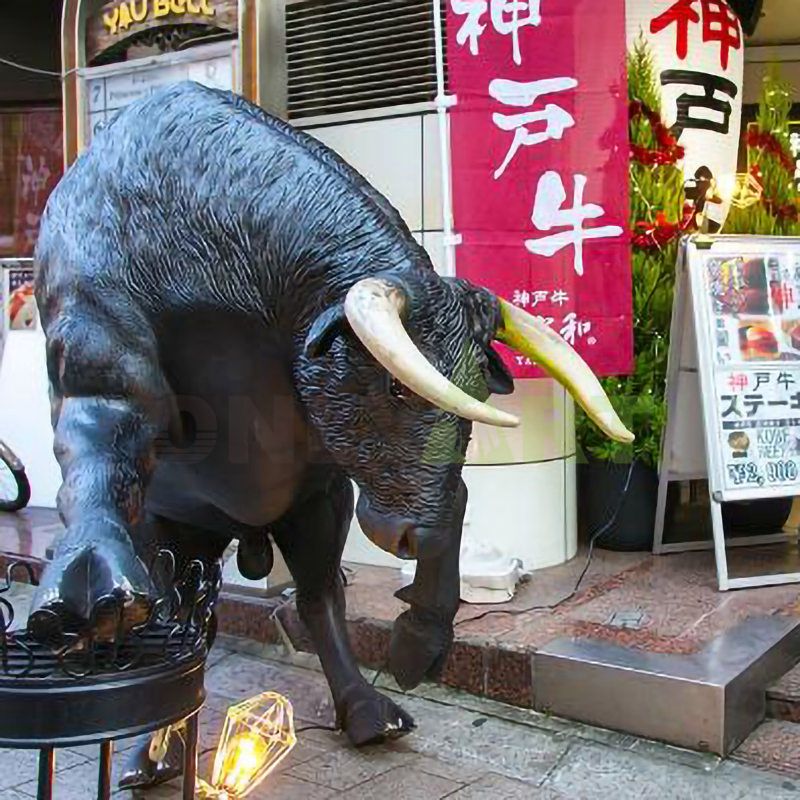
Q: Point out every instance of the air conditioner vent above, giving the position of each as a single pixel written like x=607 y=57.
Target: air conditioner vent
x=351 y=55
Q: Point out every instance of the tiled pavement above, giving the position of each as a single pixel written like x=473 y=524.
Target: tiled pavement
x=465 y=748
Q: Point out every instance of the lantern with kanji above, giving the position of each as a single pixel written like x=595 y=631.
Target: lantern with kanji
x=698 y=52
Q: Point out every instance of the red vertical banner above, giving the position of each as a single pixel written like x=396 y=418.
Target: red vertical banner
x=39 y=168
x=540 y=150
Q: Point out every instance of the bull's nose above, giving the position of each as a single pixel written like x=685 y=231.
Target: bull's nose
x=405 y=544
x=399 y=540
x=400 y=536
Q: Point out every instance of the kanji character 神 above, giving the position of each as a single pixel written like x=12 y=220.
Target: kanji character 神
x=521 y=298
x=549 y=213
x=738 y=381
x=507 y=17
x=720 y=24
x=522 y=95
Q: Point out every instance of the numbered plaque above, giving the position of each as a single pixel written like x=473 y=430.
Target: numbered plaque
x=109 y=90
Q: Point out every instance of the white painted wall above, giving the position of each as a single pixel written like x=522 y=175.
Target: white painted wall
x=25 y=413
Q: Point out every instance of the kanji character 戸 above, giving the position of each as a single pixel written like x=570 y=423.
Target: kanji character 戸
x=521 y=95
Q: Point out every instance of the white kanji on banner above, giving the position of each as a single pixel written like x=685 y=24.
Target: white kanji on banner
x=521 y=95
x=549 y=212
x=507 y=17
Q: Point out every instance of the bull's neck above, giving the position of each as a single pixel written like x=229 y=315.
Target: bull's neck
x=325 y=282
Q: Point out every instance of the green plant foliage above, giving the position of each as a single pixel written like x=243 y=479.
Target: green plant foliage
x=639 y=398
x=774 y=110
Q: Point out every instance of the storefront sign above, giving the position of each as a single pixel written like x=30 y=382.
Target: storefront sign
x=735 y=356
x=117 y=22
x=540 y=166
x=698 y=48
x=120 y=17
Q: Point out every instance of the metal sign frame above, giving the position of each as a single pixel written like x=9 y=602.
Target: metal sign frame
x=689 y=293
x=262 y=67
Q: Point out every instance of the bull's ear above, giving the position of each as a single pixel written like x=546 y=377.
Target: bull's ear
x=327 y=326
x=499 y=380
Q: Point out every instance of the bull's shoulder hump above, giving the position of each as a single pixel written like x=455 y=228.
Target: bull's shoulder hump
x=186 y=98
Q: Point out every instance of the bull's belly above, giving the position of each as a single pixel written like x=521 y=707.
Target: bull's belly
x=220 y=497
x=238 y=453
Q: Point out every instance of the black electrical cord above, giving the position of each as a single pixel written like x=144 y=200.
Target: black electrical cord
x=514 y=612
x=327 y=728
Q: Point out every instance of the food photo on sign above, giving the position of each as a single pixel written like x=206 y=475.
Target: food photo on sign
x=755 y=302
x=20 y=311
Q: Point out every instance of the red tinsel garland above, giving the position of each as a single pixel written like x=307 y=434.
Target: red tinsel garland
x=657 y=235
x=768 y=142
x=668 y=151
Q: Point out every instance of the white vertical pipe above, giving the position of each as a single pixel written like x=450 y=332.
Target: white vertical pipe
x=443 y=102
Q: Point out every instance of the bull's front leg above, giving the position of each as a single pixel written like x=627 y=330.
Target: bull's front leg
x=107 y=408
x=423 y=635
x=311 y=538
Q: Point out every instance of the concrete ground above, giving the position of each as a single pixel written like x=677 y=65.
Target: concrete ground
x=465 y=748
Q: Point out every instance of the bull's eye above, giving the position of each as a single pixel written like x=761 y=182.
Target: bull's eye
x=398 y=389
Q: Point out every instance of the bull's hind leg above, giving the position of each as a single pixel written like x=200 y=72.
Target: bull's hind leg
x=109 y=402
x=311 y=537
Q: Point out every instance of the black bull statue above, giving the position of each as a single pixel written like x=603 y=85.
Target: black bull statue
x=237 y=325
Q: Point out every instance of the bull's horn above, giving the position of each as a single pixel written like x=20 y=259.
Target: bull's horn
x=373 y=308
x=536 y=340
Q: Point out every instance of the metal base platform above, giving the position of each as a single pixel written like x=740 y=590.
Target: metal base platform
x=710 y=700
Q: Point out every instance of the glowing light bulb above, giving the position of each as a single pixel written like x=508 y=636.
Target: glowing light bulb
x=726 y=186
x=246 y=754
x=258 y=734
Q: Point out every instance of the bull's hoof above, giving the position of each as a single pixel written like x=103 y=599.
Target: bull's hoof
x=420 y=644
x=141 y=772
x=368 y=717
x=92 y=587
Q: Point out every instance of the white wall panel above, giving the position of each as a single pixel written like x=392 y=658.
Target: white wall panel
x=25 y=413
x=434 y=244
x=388 y=153
x=432 y=171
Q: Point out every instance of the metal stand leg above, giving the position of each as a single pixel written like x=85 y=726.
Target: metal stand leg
x=47 y=766
x=190 y=757
x=104 y=778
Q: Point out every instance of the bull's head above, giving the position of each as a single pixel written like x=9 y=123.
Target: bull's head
x=398 y=373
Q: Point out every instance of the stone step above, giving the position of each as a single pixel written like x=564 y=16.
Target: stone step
x=783 y=697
